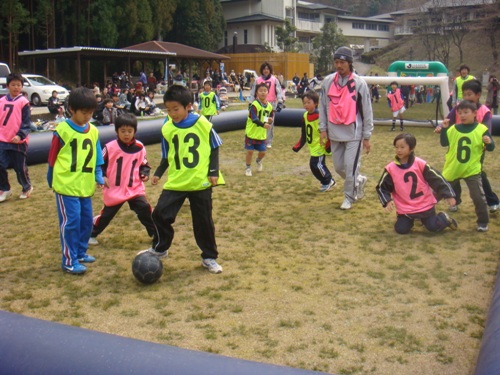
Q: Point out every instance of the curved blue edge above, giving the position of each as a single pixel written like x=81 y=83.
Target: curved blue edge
x=30 y=346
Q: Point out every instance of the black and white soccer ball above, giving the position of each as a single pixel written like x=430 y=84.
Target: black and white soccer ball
x=147 y=268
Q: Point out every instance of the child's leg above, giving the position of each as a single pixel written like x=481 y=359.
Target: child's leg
x=403 y=224
x=436 y=223
x=102 y=220
x=86 y=220
x=457 y=188
x=401 y=121
x=261 y=155
x=393 y=123
x=491 y=197
x=248 y=159
x=21 y=168
x=4 y=164
x=164 y=214
x=477 y=195
x=320 y=170
x=142 y=208
x=68 y=210
x=203 y=225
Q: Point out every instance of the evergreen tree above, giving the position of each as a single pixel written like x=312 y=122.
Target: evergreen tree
x=325 y=45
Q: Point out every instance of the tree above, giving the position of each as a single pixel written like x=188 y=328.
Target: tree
x=284 y=36
x=325 y=45
x=162 y=17
x=15 y=21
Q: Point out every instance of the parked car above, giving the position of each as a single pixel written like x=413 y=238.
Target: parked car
x=39 y=89
x=4 y=72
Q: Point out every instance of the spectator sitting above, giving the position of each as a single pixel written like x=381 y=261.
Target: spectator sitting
x=153 y=108
x=123 y=101
x=109 y=112
x=54 y=103
x=141 y=105
x=179 y=80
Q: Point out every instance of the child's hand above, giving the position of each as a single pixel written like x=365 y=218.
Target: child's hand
x=106 y=182
x=323 y=137
x=100 y=186
x=437 y=129
x=451 y=201
x=270 y=120
x=267 y=126
x=213 y=180
x=155 y=180
x=144 y=177
x=446 y=123
x=389 y=207
x=486 y=139
x=16 y=139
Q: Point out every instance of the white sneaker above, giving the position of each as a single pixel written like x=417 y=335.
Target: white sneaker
x=482 y=227
x=248 y=172
x=346 y=204
x=211 y=265
x=259 y=166
x=328 y=186
x=26 y=194
x=93 y=241
x=361 y=186
x=269 y=146
x=4 y=195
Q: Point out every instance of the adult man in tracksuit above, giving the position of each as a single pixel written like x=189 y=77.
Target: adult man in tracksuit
x=346 y=119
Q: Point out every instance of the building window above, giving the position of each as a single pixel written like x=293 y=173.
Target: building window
x=371 y=26
x=245 y=36
x=383 y=27
x=358 y=25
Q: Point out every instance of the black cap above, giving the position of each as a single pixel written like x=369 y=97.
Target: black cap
x=343 y=53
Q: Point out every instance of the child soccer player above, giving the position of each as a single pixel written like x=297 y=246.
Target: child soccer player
x=311 y=135
x=411 y=186
x=466 y=143
x=190 y=151
x=260 y=118
x=75 y=161
x=15 y=121
x=125 y=170
x=397 y=105
x=209 y=102
x=471 y=90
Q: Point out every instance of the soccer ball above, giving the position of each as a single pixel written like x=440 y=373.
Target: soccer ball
x=147 y=268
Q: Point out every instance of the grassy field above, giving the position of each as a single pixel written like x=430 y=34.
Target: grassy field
x=304 y=284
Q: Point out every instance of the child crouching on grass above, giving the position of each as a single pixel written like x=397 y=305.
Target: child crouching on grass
x=409 y=184
x=125 y=170
x=311 y=135
x=260 y=118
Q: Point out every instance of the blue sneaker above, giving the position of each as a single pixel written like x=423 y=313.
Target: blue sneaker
x=75 y=269
x=87 y=259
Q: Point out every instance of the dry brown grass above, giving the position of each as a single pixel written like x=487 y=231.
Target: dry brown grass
x=304 y=284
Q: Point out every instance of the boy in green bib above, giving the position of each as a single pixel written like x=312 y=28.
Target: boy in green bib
x=190 y=155
x=466 y=143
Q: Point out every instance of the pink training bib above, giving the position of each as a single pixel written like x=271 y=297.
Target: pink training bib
x=342 y=108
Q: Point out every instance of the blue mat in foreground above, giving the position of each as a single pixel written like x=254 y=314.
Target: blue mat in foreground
x=32 y=346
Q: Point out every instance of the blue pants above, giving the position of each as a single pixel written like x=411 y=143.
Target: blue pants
x=75 y=225
x=433 y=222
x=320 y=170
x=14 y=156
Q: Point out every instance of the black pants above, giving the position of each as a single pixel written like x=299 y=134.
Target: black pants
x=433 y=222
x=139 y=205
x=319 y=169
x=491 y=197
x=166 y=210
x=16 y=159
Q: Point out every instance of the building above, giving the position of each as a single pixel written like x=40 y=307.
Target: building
x=252 y=24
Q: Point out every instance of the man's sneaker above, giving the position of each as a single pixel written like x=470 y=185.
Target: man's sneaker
x=328 y=186
x=154 y=252
x=26 y=194
x=211 y=265
x=494 y=208
x=260 y=167
x=452 y=223
x=248 y=172
x=346 y=205
x=87 y=259
x=361 y=186
x=482 y=228
x=76 y=269
x=4 y=195
x=93 y=241
x=453 y=208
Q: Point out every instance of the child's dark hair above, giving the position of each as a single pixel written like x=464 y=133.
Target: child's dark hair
x=263 y=84
x=107 y=100
x=15 y=77
x=82 y=98
x=410 y=140
x=265 y=64
x=312 y=95
x=467 y=104
x=207 y=82
x=126 y=119
x=462 y=67
x=180 y=94
x=473 y=85
x=393 y=83
x=54 y=91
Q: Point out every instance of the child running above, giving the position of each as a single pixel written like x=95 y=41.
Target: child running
x=190 y=155
x=466 y=143
x=15 y=121
x=311 y=135
x=75 y=161
x=411 y=186
x=397 y=105
x=260 y=118
x=125 y=170
x=209 y=102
